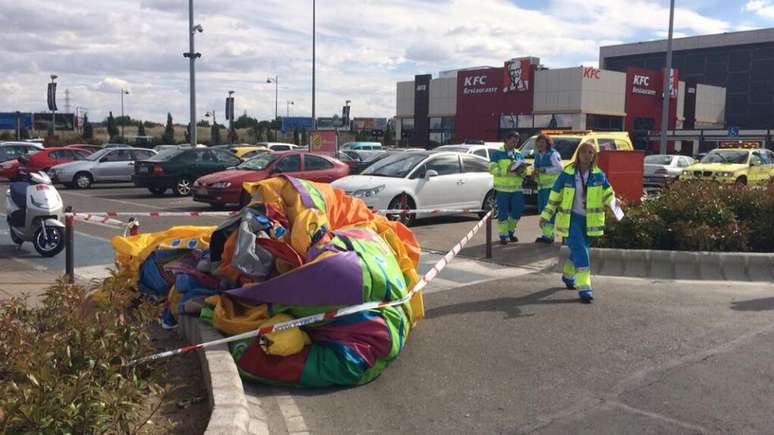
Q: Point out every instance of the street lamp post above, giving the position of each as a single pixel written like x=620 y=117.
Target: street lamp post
x=667 y=82
x=123 y=121
x=275 y=80
x=53 y=112
x=230 y=117
x=287 y=108
x=346 y=103
x=192 y=56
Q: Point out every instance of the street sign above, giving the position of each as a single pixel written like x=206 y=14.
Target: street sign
x=230 y=108
x=51 y=97
x=733 y=132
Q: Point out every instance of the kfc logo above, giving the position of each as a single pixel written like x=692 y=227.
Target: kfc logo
x=475 y=80
x=641 y=81
x=517 y=75
x=590 y=73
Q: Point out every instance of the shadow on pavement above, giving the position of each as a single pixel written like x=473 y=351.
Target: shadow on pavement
x=763 y=304
x=510 y=306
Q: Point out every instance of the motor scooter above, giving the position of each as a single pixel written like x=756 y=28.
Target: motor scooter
x=35 y=213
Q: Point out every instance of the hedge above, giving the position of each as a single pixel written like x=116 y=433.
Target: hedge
x=697 y=216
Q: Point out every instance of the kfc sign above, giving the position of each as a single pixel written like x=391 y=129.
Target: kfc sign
x=517 y=75
x=641 y=85
x=590 y=73
x=475 y=80
x=477 y=84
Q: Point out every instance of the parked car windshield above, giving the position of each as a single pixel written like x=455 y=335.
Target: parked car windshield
x=259 y=163
x=98 y=154
x=726 y=156
x=658 y=159
x=167 y=155
x=396 y=165
x=565 y=145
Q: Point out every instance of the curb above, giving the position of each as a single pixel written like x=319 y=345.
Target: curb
x=647 y=263
x=231 y=413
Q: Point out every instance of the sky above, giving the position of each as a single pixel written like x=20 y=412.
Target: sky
x=363 y=47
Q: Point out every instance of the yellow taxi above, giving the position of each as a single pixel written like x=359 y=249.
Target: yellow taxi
x=734 y=162
x=248 y=152
x=566 y=143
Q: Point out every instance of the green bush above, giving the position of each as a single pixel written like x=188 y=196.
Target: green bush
x=61 y=361
x=697 y=216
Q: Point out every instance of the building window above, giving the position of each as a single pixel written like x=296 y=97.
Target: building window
x=441 y=131
x=604 y=122
x=406 y=130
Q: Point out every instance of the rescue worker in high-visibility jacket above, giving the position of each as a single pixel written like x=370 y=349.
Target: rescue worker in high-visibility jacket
x=577 y=200
x=548 y=166
x=507 y=185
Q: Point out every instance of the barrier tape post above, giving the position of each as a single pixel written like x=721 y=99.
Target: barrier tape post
x=69 y=244
x=489 y=236
x=328 y=315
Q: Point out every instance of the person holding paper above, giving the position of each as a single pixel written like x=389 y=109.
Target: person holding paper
x=577 y=200
x=507 y=165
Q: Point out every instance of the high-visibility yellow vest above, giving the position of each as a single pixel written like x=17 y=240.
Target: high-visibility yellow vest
x=504 y=181
x=545 y=181
x=598 y=193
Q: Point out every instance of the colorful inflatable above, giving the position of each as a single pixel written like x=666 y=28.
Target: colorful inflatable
x=300 y=248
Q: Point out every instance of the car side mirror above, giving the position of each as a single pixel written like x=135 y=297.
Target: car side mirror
x=430 y=174
x=754 y=163
x=103 y=160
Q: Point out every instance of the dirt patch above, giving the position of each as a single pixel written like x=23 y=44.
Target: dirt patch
x=184 y=408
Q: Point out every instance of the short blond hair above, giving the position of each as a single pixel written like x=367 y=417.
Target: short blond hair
x=587 y=144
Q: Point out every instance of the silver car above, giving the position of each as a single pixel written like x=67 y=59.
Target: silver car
x=660 y=169
x=105 y=165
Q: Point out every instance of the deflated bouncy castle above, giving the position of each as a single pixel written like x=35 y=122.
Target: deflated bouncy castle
x=298 y=249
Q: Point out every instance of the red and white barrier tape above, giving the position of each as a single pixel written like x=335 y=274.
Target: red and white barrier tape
x=431 y=210
x=156 y=213
x=429 y=276
x=90 y=218
x=93 y=215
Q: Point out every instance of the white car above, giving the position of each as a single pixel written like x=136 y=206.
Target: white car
x=660 y=169
x=423 y=180
x=479 y=150
x=278 y=146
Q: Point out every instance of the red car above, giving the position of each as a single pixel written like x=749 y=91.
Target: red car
x=225 y=187
x=83 y=146
x=44 y=159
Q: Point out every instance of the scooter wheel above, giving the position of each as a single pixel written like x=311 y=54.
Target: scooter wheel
x=53 y=246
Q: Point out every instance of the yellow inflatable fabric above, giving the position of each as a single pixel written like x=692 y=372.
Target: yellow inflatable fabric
x=131 y=251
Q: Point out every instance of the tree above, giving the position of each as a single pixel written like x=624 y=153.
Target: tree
x=88 y=130
x=296 y=136
x=188 y=133
x=24 y=133
x=215 y=134
x=389 y=135
x=169 y=131
x=304 y=137
x=141 y=130
x=245 y=121
x=111 y=126
x=232 y=135
x=203 y=123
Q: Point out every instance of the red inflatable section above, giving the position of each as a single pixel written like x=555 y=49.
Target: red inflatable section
x=624 y=170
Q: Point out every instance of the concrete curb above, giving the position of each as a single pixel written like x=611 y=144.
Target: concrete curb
x=645 y=263
x=231 y=412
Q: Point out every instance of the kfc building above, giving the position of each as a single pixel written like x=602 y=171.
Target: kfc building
x=525 y=97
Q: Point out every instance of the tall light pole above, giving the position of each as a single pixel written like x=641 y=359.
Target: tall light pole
x=123 y=121
x=667 y=82
x=53 y=112
x=314 y=43
x=192 y=56
x=275 y=80
x=346 y=103
x=287 y=108
x=230 y=116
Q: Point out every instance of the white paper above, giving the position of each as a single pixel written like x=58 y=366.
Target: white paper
x=617 y=212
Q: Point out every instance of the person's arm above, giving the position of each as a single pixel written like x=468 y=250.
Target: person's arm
x=556 y=164
x=554 y=200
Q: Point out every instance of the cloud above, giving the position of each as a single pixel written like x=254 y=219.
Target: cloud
x=363 y=48
x=763 y=8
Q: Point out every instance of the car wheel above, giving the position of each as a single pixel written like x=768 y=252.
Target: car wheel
x=183 y=186
x=741 y=181
x=157 y=191
x=402 y=202
x=490 y=203
x=82 y=180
